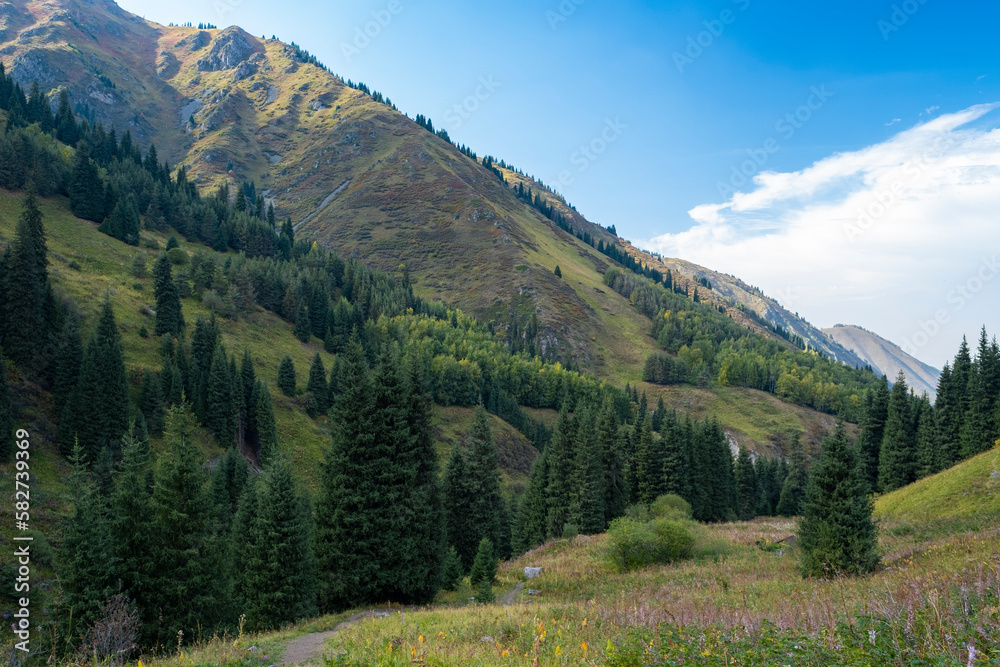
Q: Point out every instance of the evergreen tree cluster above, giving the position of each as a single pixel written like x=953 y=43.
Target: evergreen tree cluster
x=904 y=438
x=191 y=551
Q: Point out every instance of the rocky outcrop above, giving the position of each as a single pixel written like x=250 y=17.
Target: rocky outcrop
x=231 y=48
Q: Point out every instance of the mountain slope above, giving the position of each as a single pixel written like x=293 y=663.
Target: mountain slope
x=887 y=357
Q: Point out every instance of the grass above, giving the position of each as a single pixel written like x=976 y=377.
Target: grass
x=741 y=601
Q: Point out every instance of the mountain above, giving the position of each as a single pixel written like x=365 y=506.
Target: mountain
x=353 y=173
x=887 y=357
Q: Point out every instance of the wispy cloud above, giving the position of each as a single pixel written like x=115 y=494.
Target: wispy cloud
x=894 y=121
x=877 y=236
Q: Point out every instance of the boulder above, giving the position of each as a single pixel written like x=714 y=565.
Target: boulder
x=532 y=572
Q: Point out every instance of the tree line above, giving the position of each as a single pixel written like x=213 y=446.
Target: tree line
x=904 y=438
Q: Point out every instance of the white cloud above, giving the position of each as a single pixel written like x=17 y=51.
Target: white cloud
x=887 y=237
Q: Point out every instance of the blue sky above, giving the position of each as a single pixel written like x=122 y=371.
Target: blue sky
x=687 y=94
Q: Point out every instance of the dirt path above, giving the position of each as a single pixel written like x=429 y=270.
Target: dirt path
x=310 y=647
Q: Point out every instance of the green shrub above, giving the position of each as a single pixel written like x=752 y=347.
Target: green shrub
x=670 y=506
x=570 y=531
x=638 y=512
x=178 y=257
x=632 y=544
x=75 y=265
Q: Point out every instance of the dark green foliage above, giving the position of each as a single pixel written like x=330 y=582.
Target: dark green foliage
x=187 y=556
x=267 y=430
x=484 y=510
x=229 y=479
x=609 y=445
x=6 y=416
x=457 y=497
x=286 y=376
x=132 y=531
x=898 y=457
x=587 y=505
x=365 y=543
x=648 y=462
x=837 y=534
x=560 y=468
x=86 y=189
x=25 y=326
x=633 y=544
x=484 y=566
x=169 y=319
x=276 y=584
x=151 y=402
x=558 y=272
x=532 y=520
x=303 y=326
x=747 y=491
x=869 y=444
x=793 y=491
x=452 y=571
x=123 y=223
x=86 y=579
x=99 y=410
x=927 y=441
x=220 y=400
x=317 y=390
x=978 y=432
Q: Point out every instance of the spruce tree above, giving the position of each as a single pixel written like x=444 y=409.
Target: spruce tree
x=588 y=504
x=123 y=223
x=452 y=570
x=86 y=190
x=100 y=411
x=898 y=458
x=927 y=442
x=954 y=410
x=484 y=565
x=169 y=319
x=132 y=535
x=609 y=445
x=747 y=491
x=873 y=430
x=151 y=402
x=25 y=328
x=421 y=575
x=977 y=432
x=356 y=522
x=282 y=588
x=86 y=577
x=187 y=591
x=267 y=430
x=317 y=390
x=532 y=518
x=560 y=466
x=457 y=498
x=6 y=416
x=648 y=461
x=69 y=355
x=220 y=402
x=486 y=501
x=303 y=326
x=837 y=534
x=286 y=376
x=793 y=491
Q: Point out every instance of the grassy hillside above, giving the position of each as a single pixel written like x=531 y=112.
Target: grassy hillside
x=968 y=490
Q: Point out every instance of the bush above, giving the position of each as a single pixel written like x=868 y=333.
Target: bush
x=75 y=265
x=638 y=512
x=670 y=506
x=178 y=257
x=570 y=531
x=139 y=265
x=632 y=544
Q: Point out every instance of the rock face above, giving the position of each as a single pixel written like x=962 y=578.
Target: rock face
x=230 y=48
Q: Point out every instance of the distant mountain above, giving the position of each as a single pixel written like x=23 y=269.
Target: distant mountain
x=886 y=357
